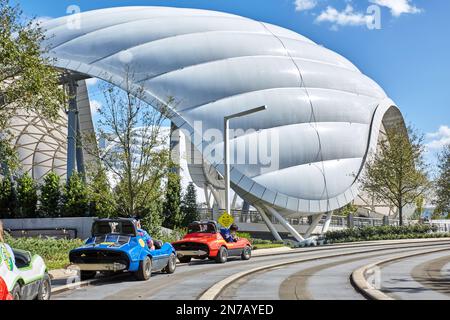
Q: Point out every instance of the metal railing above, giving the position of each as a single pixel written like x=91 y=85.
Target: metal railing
x=336 y=221
x=441 y=225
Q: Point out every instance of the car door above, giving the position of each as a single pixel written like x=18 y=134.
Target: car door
x=160 y=258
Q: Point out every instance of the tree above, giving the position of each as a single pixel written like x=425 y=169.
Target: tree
x=442 y=183
x=8 y=201
x=27 y=197
x=102 y=202
x=171 y=210
x=152 y=215
x=136 y=155
x=27 y=80
x=8 y=157
x=189 y=207
x=397 y=172
x=50 y=197
x=420 y=201
x=75 y=197
x=347 y=210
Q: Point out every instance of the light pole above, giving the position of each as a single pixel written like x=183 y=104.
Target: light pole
x=226 y=150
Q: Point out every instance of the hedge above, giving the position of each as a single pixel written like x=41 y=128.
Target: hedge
x=55 y=252
x=417 y=231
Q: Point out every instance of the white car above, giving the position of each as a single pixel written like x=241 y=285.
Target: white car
x=25 y=274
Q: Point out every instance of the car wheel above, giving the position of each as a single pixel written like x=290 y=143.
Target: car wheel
x=246 y=253
x=171 y=265
x=145 y=269
x=15 y=293
x=45 y=289
x=222 y=256
x=185 y=259
x=87 y=275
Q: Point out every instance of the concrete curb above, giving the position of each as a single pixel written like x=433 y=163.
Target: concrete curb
x=271 y=251
x=359 y=281
x=72 y=286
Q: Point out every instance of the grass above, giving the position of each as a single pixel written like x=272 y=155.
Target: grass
x=268 y=246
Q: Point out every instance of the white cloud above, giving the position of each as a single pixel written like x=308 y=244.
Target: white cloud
x=437 y=140
x=304 y=5
x=95 y=106
x=347 y=17
x=398 y=7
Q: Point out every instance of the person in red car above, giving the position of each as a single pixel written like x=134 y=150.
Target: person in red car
x=230 y=235
x=4 y=294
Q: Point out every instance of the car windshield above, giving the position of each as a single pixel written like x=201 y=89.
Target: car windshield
x=112 y=239
x=202 y=228
x=103 y=228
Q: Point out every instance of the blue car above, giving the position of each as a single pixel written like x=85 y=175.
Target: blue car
x=117 y=246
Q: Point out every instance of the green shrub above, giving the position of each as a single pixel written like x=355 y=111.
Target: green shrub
x=244 y=235
x=55 y=252
x=174 y=235
x=260 y=241
x=380 y=233
x=417 y=231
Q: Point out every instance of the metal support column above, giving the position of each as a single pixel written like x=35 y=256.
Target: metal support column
x=327 y=223
x=285 y=224
x=269 y=224
x=312 y=227
x=207 y=196
x=79 y=151
x=175 y=148
x=72 y=116
x=233 y=204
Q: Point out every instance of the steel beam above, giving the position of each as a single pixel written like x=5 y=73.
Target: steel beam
x=269 y=223
x=313 y=225
x=72 y=115
x=285 y=224
x=326 y=225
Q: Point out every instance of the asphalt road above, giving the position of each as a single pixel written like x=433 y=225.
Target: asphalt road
x=313 y=273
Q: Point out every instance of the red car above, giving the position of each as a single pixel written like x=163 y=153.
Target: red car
x=205 y=241
x=4 y=294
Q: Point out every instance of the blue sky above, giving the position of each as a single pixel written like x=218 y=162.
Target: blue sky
x=408 y=56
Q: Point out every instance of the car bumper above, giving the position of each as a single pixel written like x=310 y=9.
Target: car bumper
x=191 y=253
x=101 y=266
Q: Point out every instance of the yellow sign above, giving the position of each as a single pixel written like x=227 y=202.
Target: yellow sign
x=226 y=220
x=142 y=243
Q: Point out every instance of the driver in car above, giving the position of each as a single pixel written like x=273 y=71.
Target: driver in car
x=230 y=234
x=144 y=234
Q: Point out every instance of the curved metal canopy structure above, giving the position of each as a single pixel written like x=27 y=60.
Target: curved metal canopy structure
x=323 y=112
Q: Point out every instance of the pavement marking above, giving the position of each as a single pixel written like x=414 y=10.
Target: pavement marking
x=431 y=275
x=213 y=292
x=295 y=287
x=360 y=283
